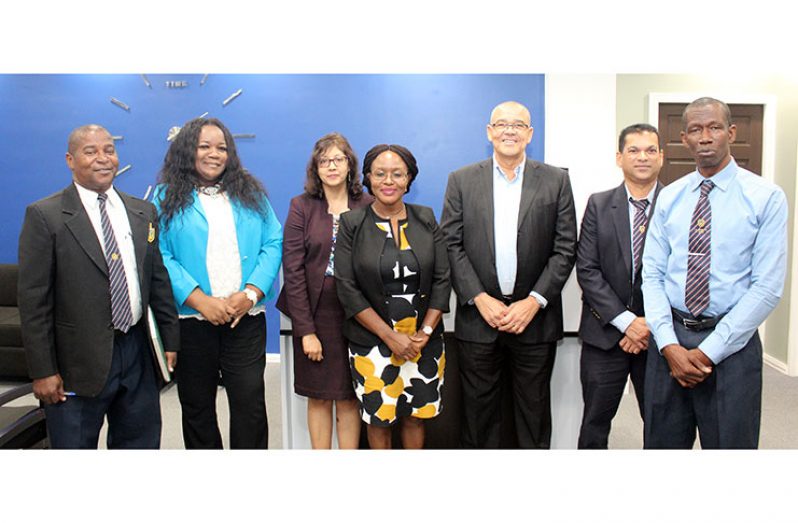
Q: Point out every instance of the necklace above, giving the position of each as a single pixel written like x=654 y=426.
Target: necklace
x=389 y=215
x=210 y=190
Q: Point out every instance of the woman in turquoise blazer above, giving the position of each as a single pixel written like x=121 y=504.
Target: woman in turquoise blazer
x=222 y=245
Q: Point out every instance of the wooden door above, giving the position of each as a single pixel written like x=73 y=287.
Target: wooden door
x=747 y=148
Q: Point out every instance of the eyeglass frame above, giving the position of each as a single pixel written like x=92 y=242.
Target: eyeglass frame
x=516 y=126
x=396 y=177
x=325 y=162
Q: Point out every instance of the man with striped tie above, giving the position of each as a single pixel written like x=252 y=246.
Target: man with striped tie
x=713 y=269
x=613 y=329
x=89 y=266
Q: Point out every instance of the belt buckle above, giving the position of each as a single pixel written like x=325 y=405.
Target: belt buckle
x=692 y=324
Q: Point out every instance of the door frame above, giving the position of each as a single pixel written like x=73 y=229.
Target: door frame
x=768 y=172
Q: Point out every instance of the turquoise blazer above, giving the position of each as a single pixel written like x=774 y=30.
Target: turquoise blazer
x=184 y=244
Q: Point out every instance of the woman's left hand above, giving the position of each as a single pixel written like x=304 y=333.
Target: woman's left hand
x=237 y=305
x=419 y=340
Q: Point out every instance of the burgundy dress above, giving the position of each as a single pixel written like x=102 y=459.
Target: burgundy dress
x=309 y=298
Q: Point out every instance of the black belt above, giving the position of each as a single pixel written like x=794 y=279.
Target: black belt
x=507 y=299
x=118 y=333
x=701 y=323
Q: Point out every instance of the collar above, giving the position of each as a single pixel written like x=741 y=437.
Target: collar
x=721 y=179
x=649 y=196
x=89 y=197
x=518 y=169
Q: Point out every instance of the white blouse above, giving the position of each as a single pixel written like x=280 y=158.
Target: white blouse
x=222 y=258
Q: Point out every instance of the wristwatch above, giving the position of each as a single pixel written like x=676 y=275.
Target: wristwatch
x=251 y=296
x=426 y=329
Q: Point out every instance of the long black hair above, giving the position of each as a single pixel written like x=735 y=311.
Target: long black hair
x=180 y=177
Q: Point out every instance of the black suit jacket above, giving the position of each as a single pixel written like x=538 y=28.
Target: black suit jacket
x=64 y=296
x=307 y=241
x=357 y=268
x=546 y=246
x=604 y=267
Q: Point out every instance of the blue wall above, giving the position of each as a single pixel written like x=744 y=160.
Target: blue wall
x=440 y=118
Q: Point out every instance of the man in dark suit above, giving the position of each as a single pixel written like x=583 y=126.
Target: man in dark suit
x=89 y=266
x=613 y=328
x=510 y=227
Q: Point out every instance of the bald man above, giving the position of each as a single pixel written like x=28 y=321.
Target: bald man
x=510 y=228
x=89 y=266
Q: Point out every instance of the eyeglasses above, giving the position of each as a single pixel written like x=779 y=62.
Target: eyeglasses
x=338 y=160
x=380 y=176
x=504 y=126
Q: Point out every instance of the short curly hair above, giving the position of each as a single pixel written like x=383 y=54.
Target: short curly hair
x=401 y=151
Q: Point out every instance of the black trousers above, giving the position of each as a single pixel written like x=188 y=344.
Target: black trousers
x=603 y=374
x=240 y=355
x=482 y=367
x=725 y=408
x=130 y=399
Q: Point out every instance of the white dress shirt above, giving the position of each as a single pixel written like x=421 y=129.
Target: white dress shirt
x=117 y=215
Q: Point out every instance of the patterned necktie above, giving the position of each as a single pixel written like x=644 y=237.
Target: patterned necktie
x=696 y=295
x=638 y=231
x=121 y=315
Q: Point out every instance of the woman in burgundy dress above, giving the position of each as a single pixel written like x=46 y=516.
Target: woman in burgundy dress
x=308 y=297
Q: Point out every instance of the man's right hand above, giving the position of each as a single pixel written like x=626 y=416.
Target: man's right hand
x=491 y=309
x=685 y=369
x=49 y=390
x=638 y=330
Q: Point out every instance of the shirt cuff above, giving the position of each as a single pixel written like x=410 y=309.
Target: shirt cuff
x=540 y=299
x=623 y=320
x=714 y=348
x=664 y=337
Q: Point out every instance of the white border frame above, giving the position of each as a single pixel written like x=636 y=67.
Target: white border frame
x=792 y=332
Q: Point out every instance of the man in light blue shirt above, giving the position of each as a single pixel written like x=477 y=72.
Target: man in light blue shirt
x=713 y=269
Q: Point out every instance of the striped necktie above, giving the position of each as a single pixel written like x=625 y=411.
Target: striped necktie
x=638 y=231
x=121 y=315
x=696 y=295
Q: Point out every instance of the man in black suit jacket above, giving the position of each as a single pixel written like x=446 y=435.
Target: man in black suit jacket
x=510 y=227
x=89 y=266
x=613 y=328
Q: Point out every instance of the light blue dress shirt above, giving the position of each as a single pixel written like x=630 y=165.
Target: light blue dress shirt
x=506 y=207
x=748 y=264
x=624 y=319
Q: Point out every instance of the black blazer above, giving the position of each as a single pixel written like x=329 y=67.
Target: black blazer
x=307 y=241
x=546 y=246
x=357 y=268
x=604 y=267
x=63 y=292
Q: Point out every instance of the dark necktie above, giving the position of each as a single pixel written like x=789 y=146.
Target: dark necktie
x=638 y=231
x=696 y=295
x=121 y=315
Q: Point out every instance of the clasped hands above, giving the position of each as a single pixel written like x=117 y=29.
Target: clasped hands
x=512 y=318
x=405 y=346
x=219 y=311
x=689 y=367
x=635 y=338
